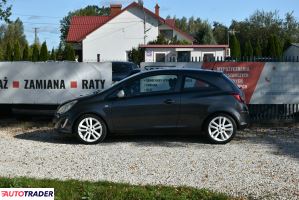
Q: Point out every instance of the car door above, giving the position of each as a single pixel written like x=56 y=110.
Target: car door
x=150 y=102
x=196 y=98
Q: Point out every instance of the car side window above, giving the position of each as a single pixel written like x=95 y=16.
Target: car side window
x=151 y=85
x=196 y=84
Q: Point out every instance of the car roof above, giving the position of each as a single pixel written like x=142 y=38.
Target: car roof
x=184 y=70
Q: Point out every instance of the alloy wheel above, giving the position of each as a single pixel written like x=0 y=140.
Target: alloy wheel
x=221 y=129
x=90 y=129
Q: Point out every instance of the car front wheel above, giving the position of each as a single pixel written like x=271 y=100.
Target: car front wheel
x=221 y=129
x=90 y=129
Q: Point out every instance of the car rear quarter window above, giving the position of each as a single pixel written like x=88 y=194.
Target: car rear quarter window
x=191 y=83
x=220 y=81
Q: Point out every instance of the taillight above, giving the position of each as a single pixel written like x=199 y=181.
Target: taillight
x=238 y=97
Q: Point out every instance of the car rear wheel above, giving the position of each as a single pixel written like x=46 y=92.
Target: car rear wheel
x=221 y=129
x=90 y=129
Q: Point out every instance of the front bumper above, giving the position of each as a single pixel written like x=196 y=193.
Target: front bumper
x=62 y=124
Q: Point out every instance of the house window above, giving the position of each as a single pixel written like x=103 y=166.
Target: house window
x=184 y=56
x=168 y=34
x=98 y=57
x=208 y=57
x=160 y=57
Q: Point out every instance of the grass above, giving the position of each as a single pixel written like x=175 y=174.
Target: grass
x=72 y=189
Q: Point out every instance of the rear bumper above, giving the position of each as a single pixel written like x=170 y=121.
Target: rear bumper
x=244 y=120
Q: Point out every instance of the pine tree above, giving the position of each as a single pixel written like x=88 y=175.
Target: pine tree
x=17 y=52
x=8 y=53
x=235 y=47
x=271 y=47
x=43 y=52
x=53 y=55
x=59 y=53
x=26 y=53
x=35 y=53
x=278 y=46
x=248 y=51
x=287 y=44
x=69 y=53
x=258 y=49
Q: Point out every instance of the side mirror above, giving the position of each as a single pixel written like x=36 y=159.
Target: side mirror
x=121 y=94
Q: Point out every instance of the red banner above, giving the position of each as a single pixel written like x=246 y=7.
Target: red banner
x=244 y=74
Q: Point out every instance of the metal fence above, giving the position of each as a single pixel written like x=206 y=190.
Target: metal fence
x=252 y=59
x=273 y=113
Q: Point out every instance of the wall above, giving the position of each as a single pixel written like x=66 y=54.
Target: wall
x=175 y=33
x=118 y=36
x=51 y=83
x=150 y=54
x=195 y=53
x=199 y=53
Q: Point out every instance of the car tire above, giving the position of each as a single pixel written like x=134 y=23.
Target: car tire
x=220 y=129
x=90 y=129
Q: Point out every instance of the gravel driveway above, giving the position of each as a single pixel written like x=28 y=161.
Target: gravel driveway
x=258 y=164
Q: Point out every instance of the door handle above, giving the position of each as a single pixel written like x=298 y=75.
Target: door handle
x=169 y=101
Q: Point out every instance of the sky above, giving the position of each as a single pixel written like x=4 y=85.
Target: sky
x=46 y=14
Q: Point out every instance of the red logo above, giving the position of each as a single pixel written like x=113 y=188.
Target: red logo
x=16 y=84
x=74 y=84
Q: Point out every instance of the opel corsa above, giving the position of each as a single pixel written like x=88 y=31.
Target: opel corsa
x=172 y=100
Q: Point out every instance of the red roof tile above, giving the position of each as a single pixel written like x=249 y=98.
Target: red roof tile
x=81 y=26
x=170 y=22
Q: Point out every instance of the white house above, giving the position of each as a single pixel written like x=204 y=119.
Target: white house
x=185 y=53
x=292 y=53
x=110 y=38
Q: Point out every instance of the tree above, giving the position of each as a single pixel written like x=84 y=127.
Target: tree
x=53 y=55
x=5 y=11
x=91 y=10
x=205 y=34
x=26 y=53
x=17 y=52
x=43 y=52
x=59 y=52
x=35 y=53
x=235 y=47
x=8 y=53
x=278 y=47
x=220 y=33
x=14 y=32
x=271 y=47
x=258 y=49
x=287 y=43
x=274 y=47
x=248 y=51
x=69 y=53
x=136 y=55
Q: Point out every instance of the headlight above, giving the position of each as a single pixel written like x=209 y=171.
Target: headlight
x=66 y=107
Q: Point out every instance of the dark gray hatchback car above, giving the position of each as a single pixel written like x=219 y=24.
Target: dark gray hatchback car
x=183 y=100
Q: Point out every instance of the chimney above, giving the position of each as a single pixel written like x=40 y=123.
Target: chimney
x=157 y=10
x=115 y=9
